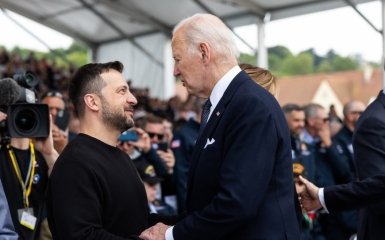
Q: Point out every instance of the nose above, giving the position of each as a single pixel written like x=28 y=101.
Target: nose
x=176 y=72
x=132 y=99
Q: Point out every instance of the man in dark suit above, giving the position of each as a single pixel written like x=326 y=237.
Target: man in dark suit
x=240 y=183
x=368 y=145
x=369 y=155
x=345 y=196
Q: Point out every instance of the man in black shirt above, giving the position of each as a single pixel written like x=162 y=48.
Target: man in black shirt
x=94 y=191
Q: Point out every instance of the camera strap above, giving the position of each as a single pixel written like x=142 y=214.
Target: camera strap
x=27 y=183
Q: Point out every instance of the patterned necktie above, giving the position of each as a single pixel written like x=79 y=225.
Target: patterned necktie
x=205 y=114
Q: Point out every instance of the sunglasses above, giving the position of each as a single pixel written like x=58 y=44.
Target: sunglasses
x=152 y=135
x=54 y=94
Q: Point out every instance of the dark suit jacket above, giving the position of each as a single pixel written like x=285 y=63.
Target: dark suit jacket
x=241 y=185
x=356 y=194
x=369 y=154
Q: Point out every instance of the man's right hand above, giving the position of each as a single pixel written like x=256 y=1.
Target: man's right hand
x=309 y=196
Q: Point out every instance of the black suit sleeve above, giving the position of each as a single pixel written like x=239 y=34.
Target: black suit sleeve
x=368 y=143
x=356 y=194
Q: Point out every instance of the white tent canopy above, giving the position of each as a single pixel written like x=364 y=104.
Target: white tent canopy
x=137 y=32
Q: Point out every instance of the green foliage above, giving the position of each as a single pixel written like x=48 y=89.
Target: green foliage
x=282 y=62
x=246 y=58
x=280 y=51
x=298 y=65
x=75 y=55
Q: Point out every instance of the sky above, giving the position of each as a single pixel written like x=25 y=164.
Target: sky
x=342 y=30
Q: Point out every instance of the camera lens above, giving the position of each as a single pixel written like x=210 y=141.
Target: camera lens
x=27 y=80
x=30 y=79
x=28 y=120
x=25 y=120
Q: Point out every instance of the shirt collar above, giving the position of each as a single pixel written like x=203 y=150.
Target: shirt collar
x=221 y=86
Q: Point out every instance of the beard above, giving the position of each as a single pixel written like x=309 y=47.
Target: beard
x=113 y=117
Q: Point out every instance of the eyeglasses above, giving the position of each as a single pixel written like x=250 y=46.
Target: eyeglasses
x=54 y=94
x=152 y=135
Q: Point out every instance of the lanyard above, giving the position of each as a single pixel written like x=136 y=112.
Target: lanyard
x=27 y=183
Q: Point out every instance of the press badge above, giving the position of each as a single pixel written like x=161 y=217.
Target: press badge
x=26 y=218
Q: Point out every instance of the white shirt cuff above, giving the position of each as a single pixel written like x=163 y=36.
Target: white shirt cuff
x=322 y=199
x=168 y=235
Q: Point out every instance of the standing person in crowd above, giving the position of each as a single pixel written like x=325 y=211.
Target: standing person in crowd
x=155 y=128
x=94 y=190
x=240 y=181
x=183 y=145
x=300 y=152
x=369 y=192
x=24 y=169
x=344 y=138
x=136 y=143
x=303 y=160
x=330 y=167
x=369 y=156
x=60 y=118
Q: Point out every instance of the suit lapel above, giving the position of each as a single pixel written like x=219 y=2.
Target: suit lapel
x=212 y=123
x=219 y=110
x=381 y=98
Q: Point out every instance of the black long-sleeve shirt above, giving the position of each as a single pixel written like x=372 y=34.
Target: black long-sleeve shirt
x=95 y=192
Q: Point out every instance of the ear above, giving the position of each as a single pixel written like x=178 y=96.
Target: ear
x=92 y=101
x=204 y=50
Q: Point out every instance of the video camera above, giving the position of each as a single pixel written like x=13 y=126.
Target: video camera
x=25 y=117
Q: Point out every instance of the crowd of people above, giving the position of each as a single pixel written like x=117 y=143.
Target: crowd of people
x=224 y=164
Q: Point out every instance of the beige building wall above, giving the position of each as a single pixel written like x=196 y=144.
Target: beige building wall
x=325 y=96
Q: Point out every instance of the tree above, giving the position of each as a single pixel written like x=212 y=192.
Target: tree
x=298 y=65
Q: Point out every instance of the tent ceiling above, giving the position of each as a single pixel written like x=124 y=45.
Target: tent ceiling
x=96 y=22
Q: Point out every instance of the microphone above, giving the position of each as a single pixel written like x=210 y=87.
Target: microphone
x=10 y=91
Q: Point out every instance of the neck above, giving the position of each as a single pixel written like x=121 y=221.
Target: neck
x=100 y=131
x=20 y=143
x=216 y=74
x=312 y=131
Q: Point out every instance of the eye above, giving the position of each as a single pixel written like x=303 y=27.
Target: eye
x=123 y=90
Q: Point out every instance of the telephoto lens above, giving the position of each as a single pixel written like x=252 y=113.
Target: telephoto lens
x=27 y=79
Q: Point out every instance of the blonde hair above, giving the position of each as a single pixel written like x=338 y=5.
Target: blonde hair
x=261 y=76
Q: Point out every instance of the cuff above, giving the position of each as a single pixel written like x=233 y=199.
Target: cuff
x=322 y=199
x=168 y=234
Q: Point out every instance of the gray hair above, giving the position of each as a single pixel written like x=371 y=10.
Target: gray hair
x=311 y=110
x=208 y=28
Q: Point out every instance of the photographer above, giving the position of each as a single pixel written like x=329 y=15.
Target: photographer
x=24 y=169
x=27 y=154
x=60 y=118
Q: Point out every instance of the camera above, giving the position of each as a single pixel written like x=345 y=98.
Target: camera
x=25 y=117
x=27 y=80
